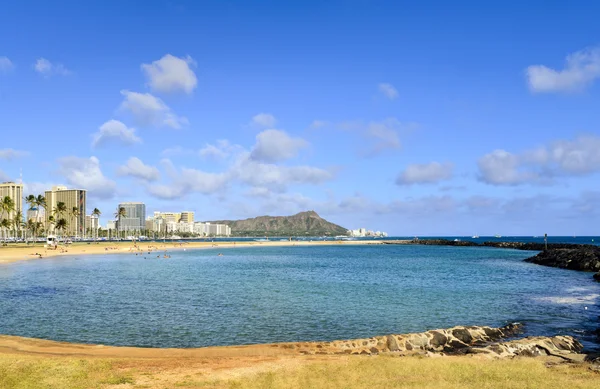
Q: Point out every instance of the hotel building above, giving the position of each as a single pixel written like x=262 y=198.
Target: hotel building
x=15 y=192
x=134 y=219
x=73 y=198
x=187 y=217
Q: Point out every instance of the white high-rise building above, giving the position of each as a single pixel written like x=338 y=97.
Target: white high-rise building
x=135 y=217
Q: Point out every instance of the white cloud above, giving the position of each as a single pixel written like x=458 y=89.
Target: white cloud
x=432 y=172
x=176 y=150
x=137 y=169
x=258 y=191
x=6 y=65
x=384 y=134
x=10 y=154
x=388 y=90
x=264 y=120
x=47 y=68
x=85 y=173
x=276 y=145
x=223 y=149
x=36 y=188
x=316 y=124
x=503 y=168
x=581 y=69
x=276 y=177
x=171 y=74
x=575 y=157
x=149 y=110
x=114 y=131
x=189 y=181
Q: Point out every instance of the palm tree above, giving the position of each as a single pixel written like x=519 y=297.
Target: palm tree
x=61 y=225
x=31 y=200
x=58 y=212
x=4 y=225
x=40 y=201
x=17 y=223
x=7 y=205
x=30 y=226
x=121 y=212
x=96 y=213
x=74 y=215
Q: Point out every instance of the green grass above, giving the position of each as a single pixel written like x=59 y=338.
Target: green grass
x=430 y=373
x=26 y=372
x=352 y=372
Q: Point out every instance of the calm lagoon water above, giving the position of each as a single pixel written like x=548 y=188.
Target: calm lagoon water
x=280 y=294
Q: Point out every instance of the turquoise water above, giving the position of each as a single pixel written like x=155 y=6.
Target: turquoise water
x=280 y=294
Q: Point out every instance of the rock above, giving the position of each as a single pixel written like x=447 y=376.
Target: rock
x=392 y=343
x=452 y=341
x=564 y=347
x=463 y=335
x=597 y=276
x=437 y=339
x=585 y=258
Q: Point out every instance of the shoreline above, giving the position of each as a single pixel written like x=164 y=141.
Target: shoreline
x=13 y=254
x=458 y=340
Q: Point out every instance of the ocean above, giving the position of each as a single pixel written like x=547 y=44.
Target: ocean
x=299 y=293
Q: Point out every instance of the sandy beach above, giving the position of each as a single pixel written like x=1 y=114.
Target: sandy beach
x=22 y=252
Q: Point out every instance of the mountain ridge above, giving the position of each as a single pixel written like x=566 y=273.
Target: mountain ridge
x=306 y=223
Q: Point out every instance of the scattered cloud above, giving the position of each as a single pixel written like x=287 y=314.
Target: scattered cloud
x=316 y=124
x=114 y=131
x=47 y=68
x=85 y=173
x=221 y=150
x=188 y=181
x=6 y=65
x=388 y=90
x=176 y=150
x=276 y=177
x=137 y=169
x=171 y=74
x=276 y=145
x=149 y=110
x=384 y=135
x=265 y=120
x=3 y=176
x=427 y=173
x=575 y=157
x=581 y=69
x=10 y=154
x=36 y=188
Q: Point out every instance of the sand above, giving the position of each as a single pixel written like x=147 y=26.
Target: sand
x=22 y=252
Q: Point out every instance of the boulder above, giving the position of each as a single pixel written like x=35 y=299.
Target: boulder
x=585 y=258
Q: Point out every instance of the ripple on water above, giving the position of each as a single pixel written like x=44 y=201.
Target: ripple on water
x=278 y=294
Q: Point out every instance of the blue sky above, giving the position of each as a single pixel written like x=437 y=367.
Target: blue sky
x=416 y=118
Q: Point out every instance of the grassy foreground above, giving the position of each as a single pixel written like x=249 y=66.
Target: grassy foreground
x=28 y=371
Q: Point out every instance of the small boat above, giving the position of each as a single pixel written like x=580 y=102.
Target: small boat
x=475 y=237
x=498 y=236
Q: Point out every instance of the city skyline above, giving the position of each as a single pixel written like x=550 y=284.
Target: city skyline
x=425 y=120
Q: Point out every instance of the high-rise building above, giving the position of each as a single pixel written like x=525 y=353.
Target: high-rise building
x=170 y=216
x=73 y=199
x=187 y=217
x=36 y=214
x=134 y=219
x=15 y=192
x=92 y=223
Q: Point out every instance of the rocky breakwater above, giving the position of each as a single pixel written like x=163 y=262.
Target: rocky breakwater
x=584 y=258
x=452 y=341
